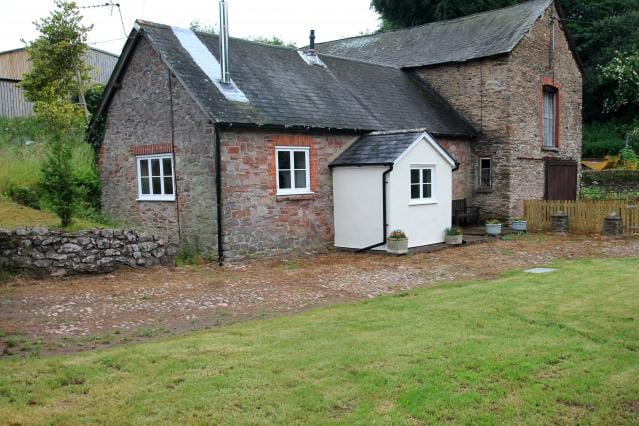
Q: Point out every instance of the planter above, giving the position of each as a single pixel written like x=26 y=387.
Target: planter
x=397 y=245
x=631 y=165
x=493 y=228
x=454 y=240
x=519 y=225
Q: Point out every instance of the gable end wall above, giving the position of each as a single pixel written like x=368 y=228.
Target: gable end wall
x=138 y=123
x=501 y=97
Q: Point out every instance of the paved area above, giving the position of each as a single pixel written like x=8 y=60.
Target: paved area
x=84 y=312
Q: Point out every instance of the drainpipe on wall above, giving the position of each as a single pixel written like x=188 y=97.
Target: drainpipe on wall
x=384 y=224
x=218 y=195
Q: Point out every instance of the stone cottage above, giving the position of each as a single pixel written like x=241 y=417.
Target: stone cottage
x=237 y=150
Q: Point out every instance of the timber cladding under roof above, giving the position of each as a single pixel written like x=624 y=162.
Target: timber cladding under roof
x=457 y=40
x=14 y=63
x=284 y=91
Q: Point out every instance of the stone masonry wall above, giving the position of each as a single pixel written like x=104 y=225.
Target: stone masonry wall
x=501 y=97
x=480 y=90
x=139 y=121
x=534 y=64
x=460 y=149
x=256 y=220
x=45 y=252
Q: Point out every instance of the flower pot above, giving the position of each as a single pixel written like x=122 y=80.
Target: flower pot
x=493 y=228
x=631 y=165
x=454 y=240
x=397 y=245
x=519 y=225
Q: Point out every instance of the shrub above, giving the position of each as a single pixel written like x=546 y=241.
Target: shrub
x=190 y=251
x=397 y=234
x=26 y=195
x=493 y=222
x=628 y=154
x=452 y=232
x=57 y=181
x=601 y=139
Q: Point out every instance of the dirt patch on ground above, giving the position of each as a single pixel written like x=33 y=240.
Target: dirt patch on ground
x=79 y=313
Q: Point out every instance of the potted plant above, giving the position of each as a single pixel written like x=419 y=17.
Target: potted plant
x=397 y=242
x=519 y=224
x=629 y=157
x=454 y=236
x=493 y=227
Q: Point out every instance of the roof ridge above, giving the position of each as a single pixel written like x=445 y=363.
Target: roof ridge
x=206 y=33
x=433 y=23
x=399 y=131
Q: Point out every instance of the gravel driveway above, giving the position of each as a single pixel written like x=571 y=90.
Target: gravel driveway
x=84 y=312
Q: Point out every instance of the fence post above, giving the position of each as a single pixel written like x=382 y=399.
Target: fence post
x=559 y=222
x=612 y=225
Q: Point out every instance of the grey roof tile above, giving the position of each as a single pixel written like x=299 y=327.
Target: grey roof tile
x=457 y=40
x=284 y=90
x=376 y=149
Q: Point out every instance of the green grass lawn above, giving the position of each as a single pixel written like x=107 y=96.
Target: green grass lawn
x=524 y=349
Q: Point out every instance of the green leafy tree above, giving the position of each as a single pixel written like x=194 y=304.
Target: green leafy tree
x=58 y=74
x=621 y=75
x=57 y=57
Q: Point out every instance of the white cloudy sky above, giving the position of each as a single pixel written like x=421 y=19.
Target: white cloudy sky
x=290 y=20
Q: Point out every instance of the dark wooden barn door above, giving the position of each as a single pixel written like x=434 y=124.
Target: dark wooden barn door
x=561 y=180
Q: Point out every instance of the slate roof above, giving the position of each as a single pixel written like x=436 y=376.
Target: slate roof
x=378 y=149
x=285 y=91
x=457 y=40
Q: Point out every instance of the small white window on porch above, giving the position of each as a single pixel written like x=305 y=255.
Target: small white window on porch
x=422 y=184
x=293 y=170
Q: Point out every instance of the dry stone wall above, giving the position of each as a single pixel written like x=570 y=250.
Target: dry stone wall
x=41 y=251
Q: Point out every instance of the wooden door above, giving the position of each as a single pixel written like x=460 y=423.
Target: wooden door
x=561 y=180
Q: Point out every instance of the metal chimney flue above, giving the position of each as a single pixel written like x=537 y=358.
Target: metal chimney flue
x=311 y=43
x=225 y=74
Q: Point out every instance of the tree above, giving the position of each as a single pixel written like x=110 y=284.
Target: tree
x=621 y=75
x=57 y=57
x=59 y=73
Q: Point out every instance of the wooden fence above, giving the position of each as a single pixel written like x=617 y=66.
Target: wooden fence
x=584 y=216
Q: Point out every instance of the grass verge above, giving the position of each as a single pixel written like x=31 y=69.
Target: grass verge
x=553 y=348
x=14 y=215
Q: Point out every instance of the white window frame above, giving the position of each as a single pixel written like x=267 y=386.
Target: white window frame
x=490 y=178
x=155 y=197
x=292 y=190
x=549 y=117
x=423 y=200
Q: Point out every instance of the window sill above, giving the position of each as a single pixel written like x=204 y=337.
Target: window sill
x=422 y=202
x=169 y=199
x=296 y=197
x=550 y=148
x=483 y=190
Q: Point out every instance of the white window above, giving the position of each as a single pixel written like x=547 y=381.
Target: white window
x=422 y=184
x=550 y=117
x=485 y=173
x=293 y=174
x=155 y=178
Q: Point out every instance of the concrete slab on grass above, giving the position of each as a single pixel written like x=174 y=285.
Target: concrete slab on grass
x=540 y=270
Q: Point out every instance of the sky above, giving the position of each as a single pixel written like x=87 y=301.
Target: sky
x=290 y=20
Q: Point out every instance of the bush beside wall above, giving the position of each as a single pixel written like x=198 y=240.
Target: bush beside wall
x=616 y=183
x=41 y=251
